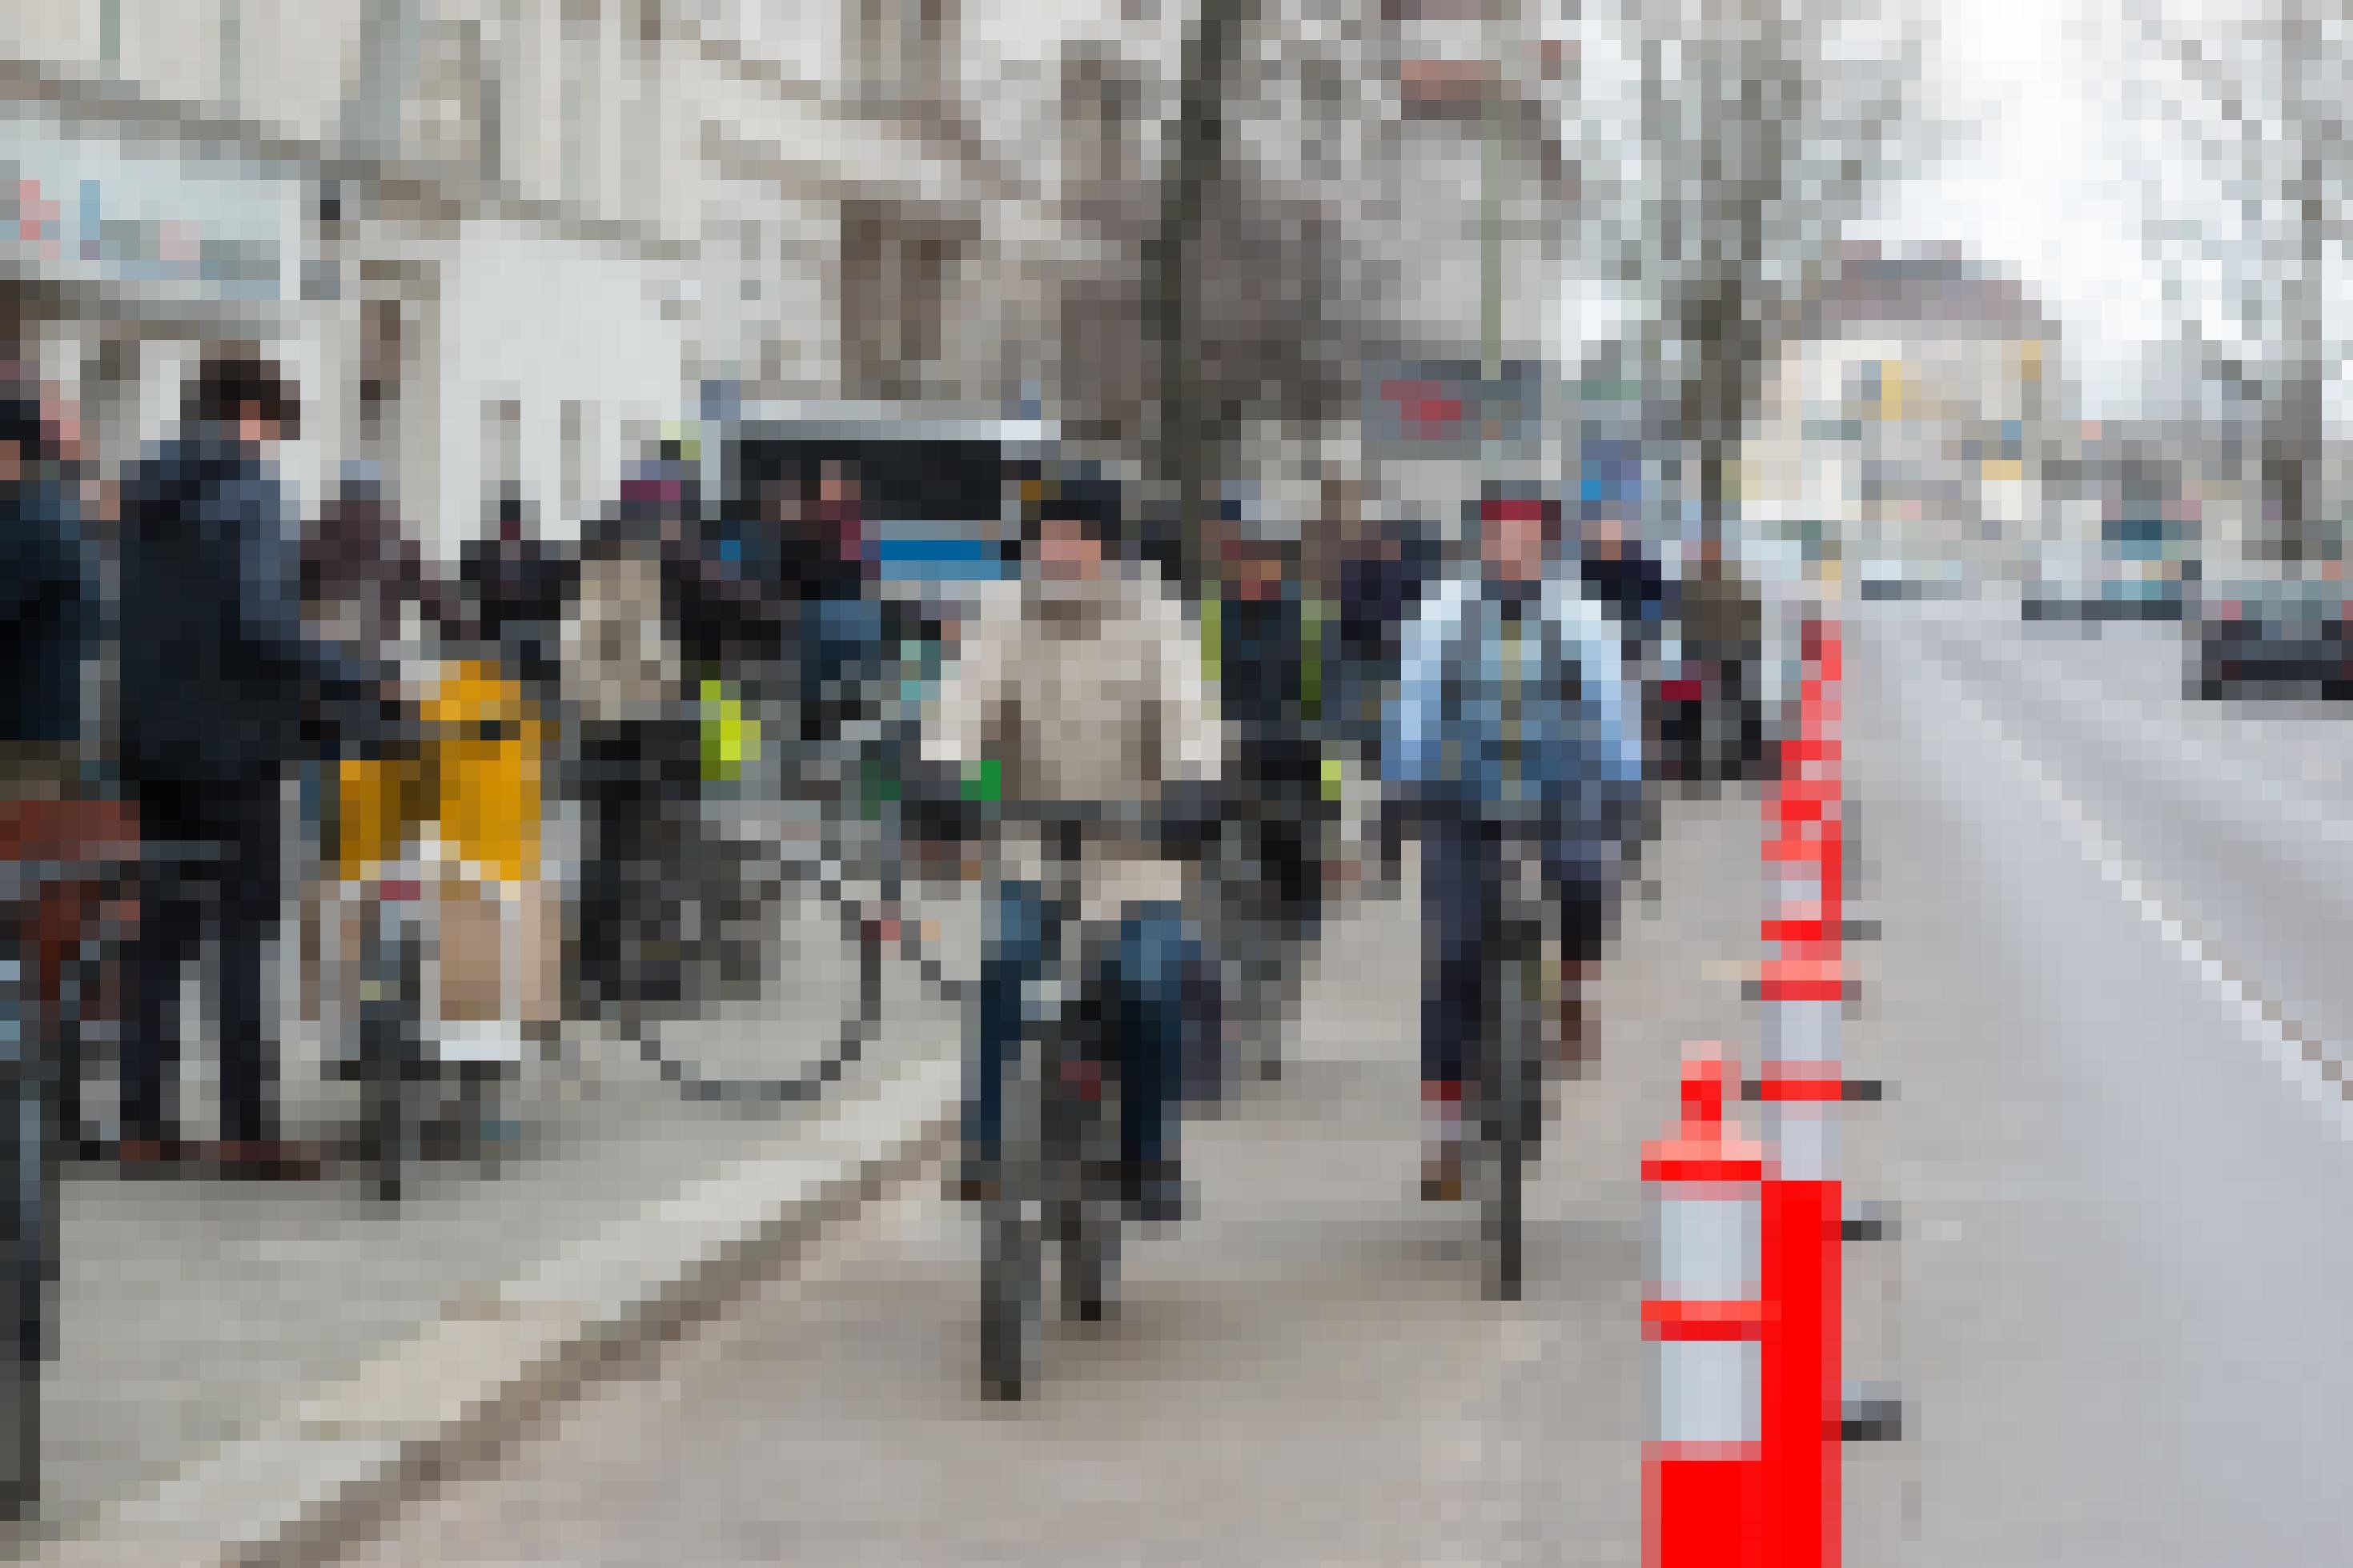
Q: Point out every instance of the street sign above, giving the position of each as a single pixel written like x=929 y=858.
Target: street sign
x=1444 y=410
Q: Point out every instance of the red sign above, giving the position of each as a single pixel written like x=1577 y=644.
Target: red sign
x=1424 y=406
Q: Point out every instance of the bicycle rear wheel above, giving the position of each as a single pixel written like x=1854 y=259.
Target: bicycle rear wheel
x=392 y=973
x=1086 y=1218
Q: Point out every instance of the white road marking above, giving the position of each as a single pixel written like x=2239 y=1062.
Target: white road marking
x=2308 y=815
x=2304 y=1060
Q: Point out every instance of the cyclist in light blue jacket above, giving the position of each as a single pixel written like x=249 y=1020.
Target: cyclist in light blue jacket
x=1513 y=723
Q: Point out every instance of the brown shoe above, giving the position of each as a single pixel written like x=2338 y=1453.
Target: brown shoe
x=266 y=1159
x=1577 y=1042
x=152 y=1156
x=1441 y=1176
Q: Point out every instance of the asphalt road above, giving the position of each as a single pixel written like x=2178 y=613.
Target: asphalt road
x=2113 y=1309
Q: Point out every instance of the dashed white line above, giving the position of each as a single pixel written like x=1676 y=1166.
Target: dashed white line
x=2306 y=1061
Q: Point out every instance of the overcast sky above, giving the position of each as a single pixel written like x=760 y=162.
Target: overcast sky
x=2036 y=189
x=2041 y=189
x=2036 y=185
x=2030 y=188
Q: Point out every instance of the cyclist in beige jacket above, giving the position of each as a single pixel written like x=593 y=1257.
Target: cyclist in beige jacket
x=1082 y=682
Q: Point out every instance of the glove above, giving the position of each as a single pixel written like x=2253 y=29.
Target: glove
x=1189 y=815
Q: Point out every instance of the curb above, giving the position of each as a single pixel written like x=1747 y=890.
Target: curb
x=310 y=1483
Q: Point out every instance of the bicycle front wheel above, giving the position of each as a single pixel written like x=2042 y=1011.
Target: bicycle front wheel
x=1088 y=1215
x=1013 y=1258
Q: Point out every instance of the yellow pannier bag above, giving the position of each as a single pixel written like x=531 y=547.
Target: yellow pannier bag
x=484 y=747
x=379 y=807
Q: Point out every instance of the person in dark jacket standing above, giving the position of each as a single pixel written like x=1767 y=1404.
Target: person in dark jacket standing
x=1628 y=583
x=1262 y=689
x=48 y=610
x=51 y=622
x=1380 y=591
x=516 y=585
x=361 y=573
x=648 y=610
x=217 y=680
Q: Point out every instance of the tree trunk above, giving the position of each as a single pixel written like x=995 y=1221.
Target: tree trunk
x=1185 y=442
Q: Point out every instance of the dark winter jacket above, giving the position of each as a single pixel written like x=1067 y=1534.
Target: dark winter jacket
x=217 y=676
x=517 y=590
x=1262 y=687
x=49 y=614
x=1632 y=588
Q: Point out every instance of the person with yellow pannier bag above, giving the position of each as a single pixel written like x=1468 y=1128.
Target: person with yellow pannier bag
x=438 y=856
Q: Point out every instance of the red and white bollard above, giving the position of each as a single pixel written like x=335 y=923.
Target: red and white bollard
x=1802 y=1081
x=1703 y=1470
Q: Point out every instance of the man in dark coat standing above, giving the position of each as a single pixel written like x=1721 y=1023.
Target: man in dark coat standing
x=217 y=680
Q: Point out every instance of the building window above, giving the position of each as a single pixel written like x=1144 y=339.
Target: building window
x=575 y=114
x=501 y=451
x=901 y=48
x=487 y=44
x=894 y=280
x=574 y=420
x=382 y=345
x=232 y=51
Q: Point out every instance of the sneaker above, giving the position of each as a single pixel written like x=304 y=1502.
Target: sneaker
x=266 y=1159
x=1441 y=1174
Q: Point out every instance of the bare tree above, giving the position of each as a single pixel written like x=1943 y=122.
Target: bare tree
x=1217 y=287
x=1766 y=125
x=2257 y=104
x=1195 y=158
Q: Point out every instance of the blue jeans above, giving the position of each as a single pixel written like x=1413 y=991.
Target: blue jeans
x=1461 y=885
x=1155 y=961
x=841 y=643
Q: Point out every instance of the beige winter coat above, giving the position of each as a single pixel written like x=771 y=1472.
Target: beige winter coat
x=1083 y=693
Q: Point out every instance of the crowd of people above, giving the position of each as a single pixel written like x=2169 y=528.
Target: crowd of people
x=249 y=645
x=242 y=647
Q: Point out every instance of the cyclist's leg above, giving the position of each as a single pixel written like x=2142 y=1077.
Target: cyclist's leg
x=1155 y=955
x=1015 y=954
x=1588 y=912
x=1454 y=907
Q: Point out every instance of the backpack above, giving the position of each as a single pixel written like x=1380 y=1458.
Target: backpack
x=621 y=661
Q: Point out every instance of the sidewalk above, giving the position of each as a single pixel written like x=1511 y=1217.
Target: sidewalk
x=188 y=1310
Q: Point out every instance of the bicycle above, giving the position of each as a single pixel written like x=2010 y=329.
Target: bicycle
x=452 y=789
x=1058 y=1166
x=1508 y=1081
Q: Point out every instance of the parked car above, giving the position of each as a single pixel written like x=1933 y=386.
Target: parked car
x=2271 y=637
